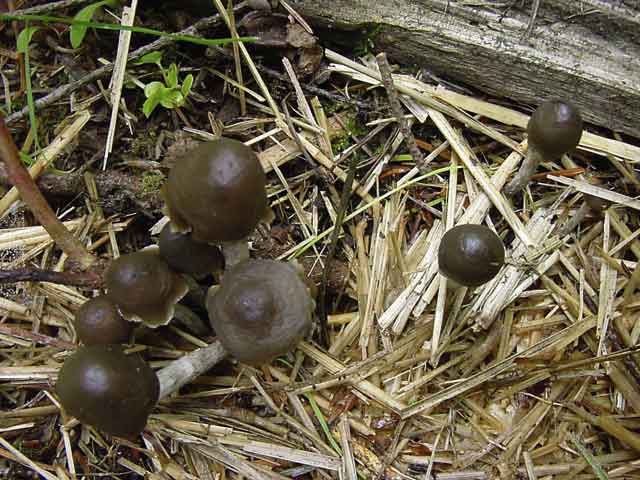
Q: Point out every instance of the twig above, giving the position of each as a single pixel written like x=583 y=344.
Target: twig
x=535 y=7
x=19 y=176
x=36 y=337
x=88 y=279
x=321 y=92
x=396 y=108
x=342 y=209
x=50 y=7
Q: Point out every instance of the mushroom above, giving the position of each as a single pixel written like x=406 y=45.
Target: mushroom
x=99 y=322
x=217 y=192
x=183 y=254
x=470 y=254
x=144 y=287
x=261 y=309
x=103 y=386
x=554 y=129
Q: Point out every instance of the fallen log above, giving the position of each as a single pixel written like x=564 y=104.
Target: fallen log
x=587 y=51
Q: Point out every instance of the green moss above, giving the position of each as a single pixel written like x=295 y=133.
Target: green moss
x=152 y=182
x=367 y=42
x=344 y=140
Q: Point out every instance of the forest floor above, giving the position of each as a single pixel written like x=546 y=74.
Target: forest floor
x=534 y=374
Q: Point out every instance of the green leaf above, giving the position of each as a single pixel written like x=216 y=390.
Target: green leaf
x=153 y=57
x=171 y=76
x=150 y=105
x=323 y=422
x=77 y=32
x=589 y=458
x=186 y=85
x=172 y=99
x=27 y=159
x=24 y=38
x=153 y=88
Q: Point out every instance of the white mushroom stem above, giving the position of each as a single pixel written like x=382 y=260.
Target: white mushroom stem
x=184 y=370
x=527 y=169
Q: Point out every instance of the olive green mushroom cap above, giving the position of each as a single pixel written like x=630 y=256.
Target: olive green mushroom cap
x=217 y=191
x=470 y=254
x=144 y=287
x=102 y=386
x=555 y=128
x=99 y=322
x=183 y=254
x=261 y=309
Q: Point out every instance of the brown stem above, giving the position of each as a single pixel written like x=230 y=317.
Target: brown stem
x=19 y=176
x=527 y=169
x=396 y=108
x=89 y=279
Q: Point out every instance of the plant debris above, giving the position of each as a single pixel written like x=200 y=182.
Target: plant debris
x=534 y=374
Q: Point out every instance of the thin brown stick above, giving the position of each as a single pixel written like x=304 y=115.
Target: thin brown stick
x=88 y=279
x=19 y=176
x=36 y=337
x=50 y=7
x=396 y=108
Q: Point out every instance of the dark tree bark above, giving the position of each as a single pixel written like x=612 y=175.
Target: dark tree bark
x=586 y=51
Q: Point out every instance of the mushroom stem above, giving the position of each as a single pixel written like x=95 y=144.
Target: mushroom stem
x=527 y=169
x=235 y=252
x=185 y=369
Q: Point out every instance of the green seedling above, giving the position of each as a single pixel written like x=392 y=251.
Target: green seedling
x=85 y=15
x=170 y=94
x=22 y=45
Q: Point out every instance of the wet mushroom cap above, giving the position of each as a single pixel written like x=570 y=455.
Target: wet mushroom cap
x=262 y=309
x=217 y=191
x=144 y=287
x=102 y=386
x=99 y=322
x=184 y=254
x=470 y=254
x=138 y=280
x=555 y=128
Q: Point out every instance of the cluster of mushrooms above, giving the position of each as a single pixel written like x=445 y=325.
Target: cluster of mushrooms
x=215 y=196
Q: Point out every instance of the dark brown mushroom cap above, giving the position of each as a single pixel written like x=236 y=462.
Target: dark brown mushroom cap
x=470 y=254
x=184 y=254
x=99 y=322
x=144 y=287
x=102 y=386
x=262 y=309
x=555 y=128
x=217 y=191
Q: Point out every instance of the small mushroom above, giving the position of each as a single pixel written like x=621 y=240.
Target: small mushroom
x=217 y=191
x=102 y=386
x=144 y=287
x=261 y=309
x=185 y=255
x=99 y=322
x=470 y=254
x=555 y=128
